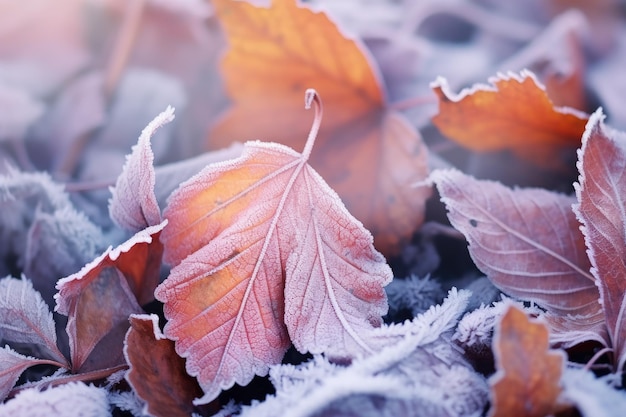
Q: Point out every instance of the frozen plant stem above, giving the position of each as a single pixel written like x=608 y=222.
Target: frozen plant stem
x=311 y=96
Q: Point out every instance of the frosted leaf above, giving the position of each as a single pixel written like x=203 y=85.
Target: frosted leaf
x=128 y=401
x=420 y=374
x=74 y=399
x=170 y=176
x=99 y=298
x=35 y=213
x=59 y=244
x=25 y=317
x=264 y=236
x=600 y=192
x=134 y=205
x=12 y=364
x=592 y=396
x=414 y=294
x=476 y=327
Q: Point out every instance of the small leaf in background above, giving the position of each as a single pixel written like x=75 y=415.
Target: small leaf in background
x=527 y=381
x=43 y=44
x=264 y=252
x=26 y=318
x=601 y=191
x=513 y=113
x=157 y=373
x=100 y=297
x=133 y=205
x=12 y=364
x=367 y=153
x=35 y=213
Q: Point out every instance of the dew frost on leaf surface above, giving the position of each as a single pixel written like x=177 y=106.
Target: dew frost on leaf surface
x=267 y=270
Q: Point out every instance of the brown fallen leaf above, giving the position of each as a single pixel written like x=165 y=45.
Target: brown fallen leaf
x=513 y=113
x=527 y=381
x=265 y=254
x=600 y=190
x=369 y=154
x=157 y=374
x=100 y=297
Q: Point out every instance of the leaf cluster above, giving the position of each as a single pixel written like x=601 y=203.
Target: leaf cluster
x=210 y=265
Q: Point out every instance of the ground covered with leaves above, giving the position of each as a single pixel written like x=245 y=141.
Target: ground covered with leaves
x=320 y=208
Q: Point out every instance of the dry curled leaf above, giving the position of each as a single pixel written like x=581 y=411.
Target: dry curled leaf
x=513 y=113
x=266 y=254
x=601 y=210
x=369 y=154
x=527 y=381
x=157 y=374
x=99 y=298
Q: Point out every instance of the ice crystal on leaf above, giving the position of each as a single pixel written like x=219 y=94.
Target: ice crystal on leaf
x=73 y=399
x=420 y=374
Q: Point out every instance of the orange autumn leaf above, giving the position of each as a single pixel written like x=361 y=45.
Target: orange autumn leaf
x=513 y=113
x=368 y=154
x=265 y=254
x=527 y=381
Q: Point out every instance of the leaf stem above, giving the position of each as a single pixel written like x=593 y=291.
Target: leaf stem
x=597 y=356
x=311 y=96
x=84 y=377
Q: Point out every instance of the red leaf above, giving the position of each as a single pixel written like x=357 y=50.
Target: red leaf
x=12 y=364
x=601 y=193
x=527 y=383
x=134 y=205
x=99 y=298
x=265 y=251
x=157 y=374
